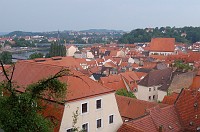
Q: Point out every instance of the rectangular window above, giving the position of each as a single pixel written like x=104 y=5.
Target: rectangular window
x=99 y=123
x=85 y=127
x=84 y=108
x=154 y=89
x=111 y=119
x=149 y=97
x=98 y=104
x=149 y=89
x=69 y=130
x=154 y=97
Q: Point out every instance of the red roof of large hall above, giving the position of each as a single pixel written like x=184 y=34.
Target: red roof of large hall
x=162 y=44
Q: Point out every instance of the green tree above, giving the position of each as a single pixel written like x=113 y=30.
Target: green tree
x=36 y=55
x=6 y=57
x=20 y=112
x=124 y=92
x=57 y=50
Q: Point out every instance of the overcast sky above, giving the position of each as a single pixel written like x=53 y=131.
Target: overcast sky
x=51 y=15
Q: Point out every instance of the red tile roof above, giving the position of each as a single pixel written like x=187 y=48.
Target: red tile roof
x=165 y=117
x=113 y=81
x=170 y=100
x=54 y=112
x=59 y=61
x=187 y=107
x=196 y=83
x=127 y=127
x=144 y=124
x=162 y=44
x=131 y=108
x=83 y=87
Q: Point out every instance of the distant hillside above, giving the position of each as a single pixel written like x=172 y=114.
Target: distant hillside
x=22 y=33
x=101 y=30
x=3 y=33
x=185 y=35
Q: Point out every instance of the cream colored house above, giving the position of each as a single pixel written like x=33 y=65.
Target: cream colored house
x=96 y=105
x=70 y=50
x=102 y=119
x=148 y=86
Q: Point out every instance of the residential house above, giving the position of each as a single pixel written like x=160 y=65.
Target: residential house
x=70 y=50
x=148 y=86
x=87 y=97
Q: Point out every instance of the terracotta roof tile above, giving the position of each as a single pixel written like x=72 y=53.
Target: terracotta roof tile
x=187 y=107
x=131 y=108
x=83 y=87
x=113 y=81
x=162 y=44
x=170 y=100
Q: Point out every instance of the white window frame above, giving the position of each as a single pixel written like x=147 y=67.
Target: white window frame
x=87 y=108
x=109 y=119
x=101 y=124
x=96 y=104
x=88 y=125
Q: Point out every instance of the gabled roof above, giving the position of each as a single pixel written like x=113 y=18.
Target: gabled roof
x=165 y=118
x=162 y=44
x=58 y=61
x=187 y=107
x=144 y=124
x=113 y=81
x=156 y=77
x=170 y=99
x=130 y=76
x=130 y=108
x=78 y=87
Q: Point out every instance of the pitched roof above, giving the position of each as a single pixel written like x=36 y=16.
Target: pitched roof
x=196 y=83
x=162 y=44
x=144 y=124
x=113 y=81
x=166 y=117
x=170 y=99
x=130 y=76
x=157 y=117
x=187 y=107
x=54 y=112
x=131 y=108
x=58 y=61
x=78 y=87
x=156 y=77
x=127 y=127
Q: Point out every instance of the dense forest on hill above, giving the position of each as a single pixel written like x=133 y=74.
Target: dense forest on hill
x=185 y=35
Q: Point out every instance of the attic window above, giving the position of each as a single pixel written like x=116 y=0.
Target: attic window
x=170 y=127
x=56 y=58
x=195 y=104
x=191 y=123
x=40 y=60
x=198 y=129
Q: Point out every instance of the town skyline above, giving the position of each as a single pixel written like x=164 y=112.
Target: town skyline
x=37 y=16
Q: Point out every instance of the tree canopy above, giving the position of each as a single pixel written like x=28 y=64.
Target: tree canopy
x=124 y=92
x=36 y=55
x=56 y=50
x=20 y=112
x=184 y=35
x=6 y=57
